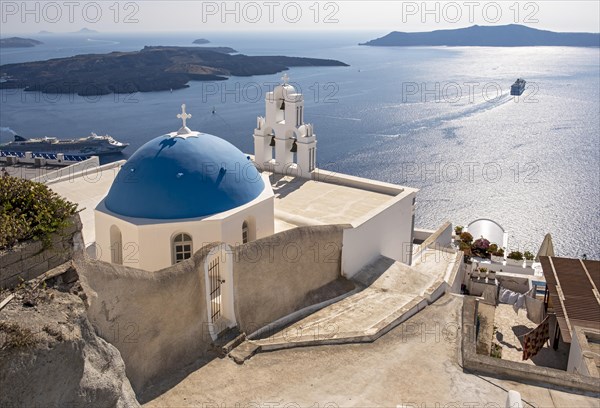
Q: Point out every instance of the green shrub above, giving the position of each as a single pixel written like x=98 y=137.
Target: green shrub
x=466 y=237
x=516 y=255
x=30 y=210
x=528 y=255
x=496 y=351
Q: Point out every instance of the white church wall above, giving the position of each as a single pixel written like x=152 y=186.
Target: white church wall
x=129 y=239
x=260 y=220
x=388 y=233
x=156 y=240
x=258 y=213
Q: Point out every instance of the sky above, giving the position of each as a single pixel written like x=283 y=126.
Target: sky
x=30 y=17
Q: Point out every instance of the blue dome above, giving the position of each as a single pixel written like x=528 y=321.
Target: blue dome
x=175 y=177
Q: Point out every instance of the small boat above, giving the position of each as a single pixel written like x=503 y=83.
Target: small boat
x=518 y=87
x=92 y=145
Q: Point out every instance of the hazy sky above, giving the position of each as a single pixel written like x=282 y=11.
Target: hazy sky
x=201 y=16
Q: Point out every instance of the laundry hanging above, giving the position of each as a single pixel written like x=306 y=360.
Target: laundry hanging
x=534 y=341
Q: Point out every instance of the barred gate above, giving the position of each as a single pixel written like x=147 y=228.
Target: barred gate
x=215 y=289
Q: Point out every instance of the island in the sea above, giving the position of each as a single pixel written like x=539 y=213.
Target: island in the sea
x=201 y=41
x=85 y=30
x=18 y=42
x=150 y=69
x=512 y=35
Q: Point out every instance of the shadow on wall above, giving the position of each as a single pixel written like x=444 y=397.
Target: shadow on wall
x=281 y=274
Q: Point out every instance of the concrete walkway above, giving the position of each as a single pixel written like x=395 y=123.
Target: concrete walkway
x=392 y=293
x=416 y=364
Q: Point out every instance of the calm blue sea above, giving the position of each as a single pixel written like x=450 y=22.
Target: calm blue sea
x=439 y=119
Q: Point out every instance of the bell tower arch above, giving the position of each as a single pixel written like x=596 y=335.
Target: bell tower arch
x=283 y=143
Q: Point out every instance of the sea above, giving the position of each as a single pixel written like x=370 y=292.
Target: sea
x=440 y=119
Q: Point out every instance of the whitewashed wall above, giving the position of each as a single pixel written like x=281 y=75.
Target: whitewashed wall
x=387 y=233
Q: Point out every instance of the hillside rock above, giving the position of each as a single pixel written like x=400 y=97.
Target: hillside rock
x=50 y=354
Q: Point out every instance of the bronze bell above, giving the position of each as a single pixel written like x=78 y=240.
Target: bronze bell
x=294 y=148
x=272 y=144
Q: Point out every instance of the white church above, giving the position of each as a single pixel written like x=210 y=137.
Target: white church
x=185 y=189
x=190 y=240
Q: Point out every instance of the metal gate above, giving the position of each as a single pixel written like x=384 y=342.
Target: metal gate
x=215 y=289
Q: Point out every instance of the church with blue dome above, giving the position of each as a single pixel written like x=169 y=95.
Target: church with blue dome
x=179 y=192
x=191 y=227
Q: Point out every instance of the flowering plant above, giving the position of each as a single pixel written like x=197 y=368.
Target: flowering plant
x=481 y=244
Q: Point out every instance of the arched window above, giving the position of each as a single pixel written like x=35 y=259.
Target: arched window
x=182 y=247
x=245 y=233
x=116 y=245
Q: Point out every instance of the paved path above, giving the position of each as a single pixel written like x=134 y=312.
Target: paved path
x=416 y=364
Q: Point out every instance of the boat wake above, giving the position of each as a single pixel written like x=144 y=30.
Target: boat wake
x=104 y=41
x=7 y=129
x=337 y=117
x=442 y=120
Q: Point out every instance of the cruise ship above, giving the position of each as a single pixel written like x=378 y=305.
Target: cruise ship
x=518 y=87
x=93 y=145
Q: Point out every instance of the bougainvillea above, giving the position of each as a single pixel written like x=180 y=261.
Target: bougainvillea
x=481 y=244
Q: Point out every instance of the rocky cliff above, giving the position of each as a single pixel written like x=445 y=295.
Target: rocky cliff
x=50 y=354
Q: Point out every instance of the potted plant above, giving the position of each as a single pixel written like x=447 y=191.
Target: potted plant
x=515 y=258
x=483 y=272
x=498 y=255
x=466 y=248
x=481 y=246
x=491 y=275
x=458 y=230
x=466 y=237
x=528 y=258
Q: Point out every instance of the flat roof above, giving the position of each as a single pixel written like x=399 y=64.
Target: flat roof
x=573 y=287
x=300 y=201
x=29 y=171
x=87 y=189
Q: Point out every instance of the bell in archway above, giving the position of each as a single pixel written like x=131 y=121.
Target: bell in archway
x=294 y=148
x=272 y=144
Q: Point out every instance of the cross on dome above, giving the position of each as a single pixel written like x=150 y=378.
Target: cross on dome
x=184 y=116
x=285 y=78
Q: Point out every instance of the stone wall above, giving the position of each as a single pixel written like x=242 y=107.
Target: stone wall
x=157 y=320
x=512 y=370
x=30 y=259
x=283 y=273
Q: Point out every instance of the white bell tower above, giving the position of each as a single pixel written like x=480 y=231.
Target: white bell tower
x=283 y=143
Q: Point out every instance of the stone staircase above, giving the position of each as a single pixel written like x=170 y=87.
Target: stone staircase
x=392 y=292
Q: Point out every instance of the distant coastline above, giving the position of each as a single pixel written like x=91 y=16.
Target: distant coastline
x=150 y=69
x=18 y=42
x=512 y=35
